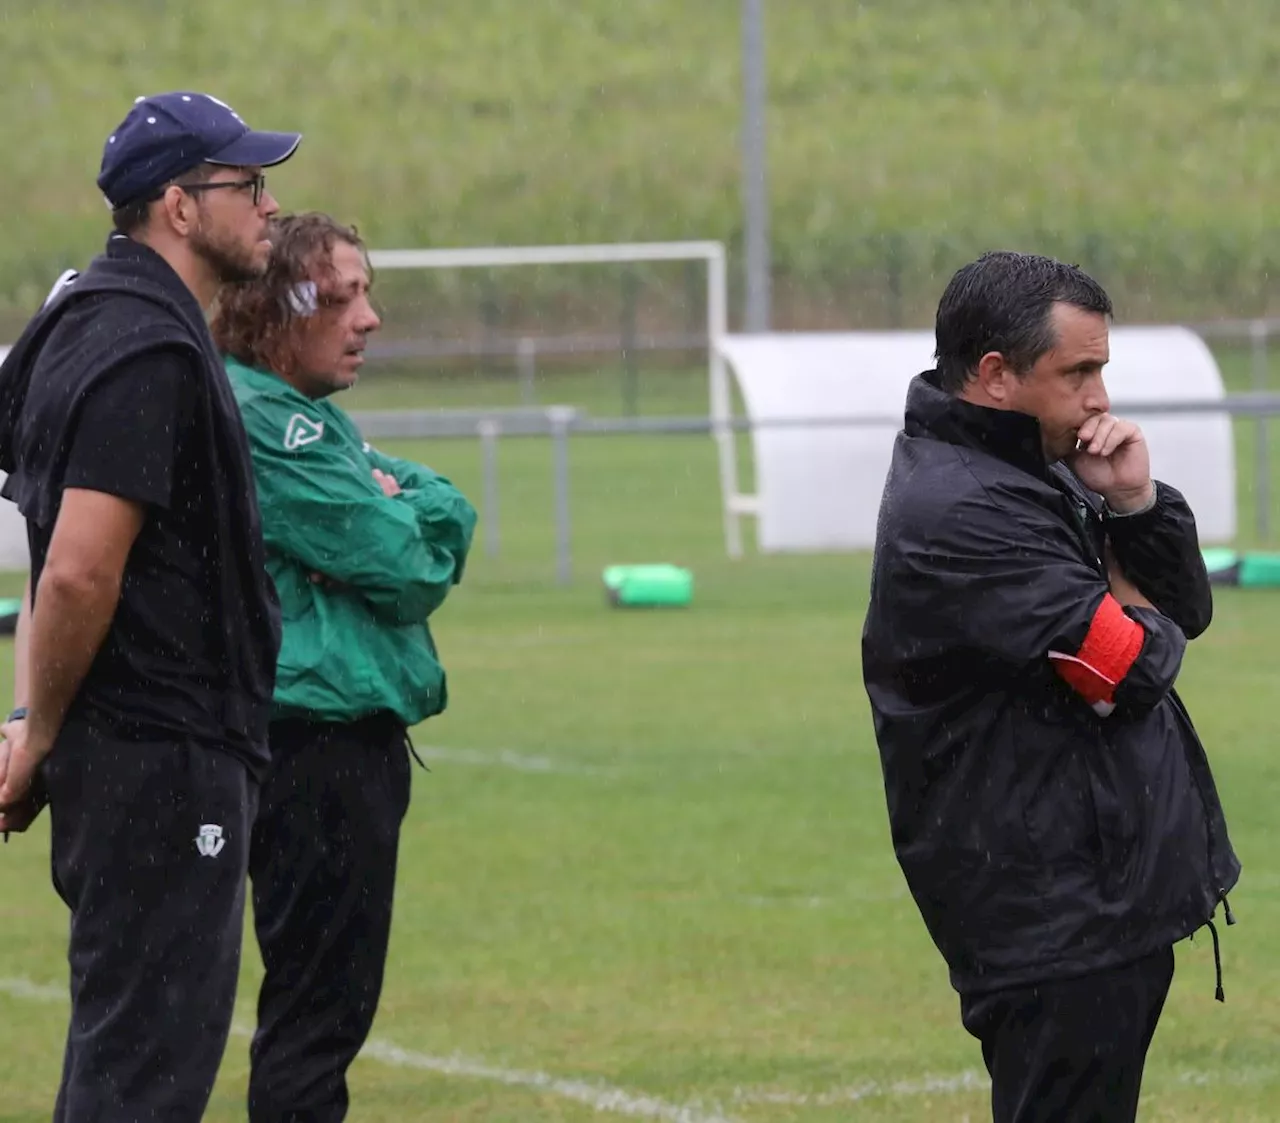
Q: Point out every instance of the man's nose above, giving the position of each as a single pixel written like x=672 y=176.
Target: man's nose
x=1098 y=401
x=369 y=318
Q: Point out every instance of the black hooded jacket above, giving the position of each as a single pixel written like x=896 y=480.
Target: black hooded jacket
x=1039 y=839
x=129 y=303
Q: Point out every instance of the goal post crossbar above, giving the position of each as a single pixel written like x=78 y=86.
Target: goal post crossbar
x=712 y=253
x=610 y=252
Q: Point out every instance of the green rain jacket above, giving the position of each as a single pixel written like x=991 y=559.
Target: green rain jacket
x=357 y=642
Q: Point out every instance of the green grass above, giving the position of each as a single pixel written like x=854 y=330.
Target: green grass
x=698 y=897
x=599 y=391
x=1139 y=138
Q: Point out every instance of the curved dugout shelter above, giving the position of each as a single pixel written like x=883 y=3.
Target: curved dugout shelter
x=824 y=410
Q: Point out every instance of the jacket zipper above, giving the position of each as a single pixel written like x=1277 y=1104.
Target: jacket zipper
x=1080 y=509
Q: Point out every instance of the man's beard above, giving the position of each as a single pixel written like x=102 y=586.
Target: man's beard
x=232 y=262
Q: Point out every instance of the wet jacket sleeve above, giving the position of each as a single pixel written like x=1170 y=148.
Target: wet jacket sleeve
x=1159 y=551
x=1010 y=581
x=405 y=472
x=323 y=508
x=445 y=517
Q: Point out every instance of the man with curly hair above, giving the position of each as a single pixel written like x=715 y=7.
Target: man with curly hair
x=362 y=547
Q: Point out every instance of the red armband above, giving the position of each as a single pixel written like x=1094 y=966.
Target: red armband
x=1110 y=649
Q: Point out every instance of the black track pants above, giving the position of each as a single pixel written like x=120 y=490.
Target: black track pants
x=1071 y=1051
x=150 y=845
x=323 y=866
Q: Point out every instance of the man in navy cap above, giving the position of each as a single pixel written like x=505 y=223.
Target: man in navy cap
x=151 y=629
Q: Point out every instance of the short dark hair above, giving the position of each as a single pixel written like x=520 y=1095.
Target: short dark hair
x=1003 y=302
x=132 y=217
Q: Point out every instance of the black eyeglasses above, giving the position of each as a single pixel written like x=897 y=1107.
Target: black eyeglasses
x=258 y=183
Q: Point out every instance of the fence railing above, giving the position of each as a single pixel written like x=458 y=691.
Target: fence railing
x=1257 y=332
x=559 y=423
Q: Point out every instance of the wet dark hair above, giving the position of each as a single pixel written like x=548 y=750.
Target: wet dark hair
x=254 y=320
x=1003 y=302
x=132 y=217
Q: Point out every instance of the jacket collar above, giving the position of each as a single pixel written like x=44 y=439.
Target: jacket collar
x=137 y=266
x=251 y=373
x=265 y=379
x=1011 y=436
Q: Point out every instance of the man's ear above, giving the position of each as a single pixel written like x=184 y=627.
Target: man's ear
x=993 y=376
x=179 y=209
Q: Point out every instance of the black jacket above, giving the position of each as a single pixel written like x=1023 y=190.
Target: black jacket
x=1039 y=839
x=147 y=307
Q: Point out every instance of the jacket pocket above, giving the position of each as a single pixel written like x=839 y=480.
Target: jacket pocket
x=1064 y=822
x=1117 y=813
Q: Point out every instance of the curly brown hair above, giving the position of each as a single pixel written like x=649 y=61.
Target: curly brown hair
x=256 y=321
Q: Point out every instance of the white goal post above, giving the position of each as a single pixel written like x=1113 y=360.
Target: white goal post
x=712 y=253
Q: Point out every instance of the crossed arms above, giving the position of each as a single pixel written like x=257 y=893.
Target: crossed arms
x=1013 y=584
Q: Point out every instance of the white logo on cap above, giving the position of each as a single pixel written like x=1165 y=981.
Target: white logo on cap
x=225 y=106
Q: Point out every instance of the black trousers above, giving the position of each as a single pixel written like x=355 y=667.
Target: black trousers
x=323 y=864
x=1071 y=1051
x=150 y=845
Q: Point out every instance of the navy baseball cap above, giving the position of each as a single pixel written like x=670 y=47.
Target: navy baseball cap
x=166 y=135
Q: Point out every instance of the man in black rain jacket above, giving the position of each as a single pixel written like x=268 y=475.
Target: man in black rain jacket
x=1032 y=595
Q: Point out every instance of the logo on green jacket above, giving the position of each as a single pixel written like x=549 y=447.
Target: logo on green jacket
x=301 y=431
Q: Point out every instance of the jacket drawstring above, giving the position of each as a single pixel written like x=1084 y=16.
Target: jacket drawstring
x=1217 y=963
x=408 y=744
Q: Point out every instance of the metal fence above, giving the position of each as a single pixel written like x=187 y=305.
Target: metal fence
x=559 y=424
x=525 y=354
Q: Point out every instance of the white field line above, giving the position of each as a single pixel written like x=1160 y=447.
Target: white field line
x=975 y=1081
x=970 y=1081
x=835 y=900
x=505 y=758
x=616 y=1101
x=36 y=992
x=598 y=1096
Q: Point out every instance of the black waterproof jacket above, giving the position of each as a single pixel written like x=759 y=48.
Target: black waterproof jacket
x=1039 y=839
x=127 y=302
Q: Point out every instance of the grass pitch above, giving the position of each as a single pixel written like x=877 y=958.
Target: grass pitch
x=649 y=873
